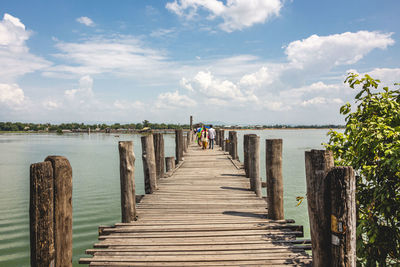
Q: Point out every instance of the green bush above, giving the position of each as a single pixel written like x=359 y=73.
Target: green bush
x=371 y=145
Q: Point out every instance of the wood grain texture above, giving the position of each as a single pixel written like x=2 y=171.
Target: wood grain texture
x=273 y=168
x=204 y=214
x=149 y=164
x=62 y=177
x=41 y=208
x=127 y=181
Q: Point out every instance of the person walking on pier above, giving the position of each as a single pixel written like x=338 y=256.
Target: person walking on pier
x=211 y=136
x=204 y=137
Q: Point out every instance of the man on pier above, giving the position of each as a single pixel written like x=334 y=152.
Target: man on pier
x=211 y=136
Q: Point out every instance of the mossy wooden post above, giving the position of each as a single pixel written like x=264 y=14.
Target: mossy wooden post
x=158 y=140
x=318 y=163
x=149 y=164
x=178 y=145
x=41 y=215
x=273 y=168
x=169 y=163
x=62 y=175
x=233 y=144
x=254 y=164
x=127 y=181
x=343 y=216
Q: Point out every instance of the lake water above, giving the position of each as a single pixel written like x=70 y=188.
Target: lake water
x=96 y=194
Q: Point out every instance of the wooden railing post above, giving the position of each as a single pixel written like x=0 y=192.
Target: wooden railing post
x=222 y=139
x=233 y=144
x=158 y=140
x=273 y=168
x=41 y=215
x=191 y=122
x=149 y=164
x=127 y=180
x=343 y=216
x=318 y=163
x=216 y=140
x=169 y=163
x=226 y=145
x=246 y=153
x=188 y=138
x=254 y=164
x=178 y=145
x=62 y=175
x=184 y=144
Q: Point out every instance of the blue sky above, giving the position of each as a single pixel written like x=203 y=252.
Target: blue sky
x=237 y=61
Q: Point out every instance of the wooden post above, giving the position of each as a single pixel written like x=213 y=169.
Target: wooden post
x=343 y=216
x=149 y=164
x=188 y=138
x=41 y=216
x=158 y=140
x=233 y=144
x=246 y=153
x=222 y=139
x=318 y=163
x=254 y=164
x=273 y=168
x=216 y=137
x=184 y=139
x=178 y=145
x=226 y=145
x=169 y=163
x=127 y=180
x=62 y=175
x=191 y=122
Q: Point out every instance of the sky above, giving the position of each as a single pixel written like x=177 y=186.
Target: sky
x=235 y=61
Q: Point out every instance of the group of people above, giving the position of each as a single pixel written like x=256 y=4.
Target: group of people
x=205 y=136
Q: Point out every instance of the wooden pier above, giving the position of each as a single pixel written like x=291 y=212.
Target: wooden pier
x=204 y=214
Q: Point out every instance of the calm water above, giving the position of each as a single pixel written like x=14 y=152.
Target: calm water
x=96 y=196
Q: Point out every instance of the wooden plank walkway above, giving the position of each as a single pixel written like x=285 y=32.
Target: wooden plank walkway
x=203 y=215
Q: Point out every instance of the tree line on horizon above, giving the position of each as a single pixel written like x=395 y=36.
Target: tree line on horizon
x=36 y=127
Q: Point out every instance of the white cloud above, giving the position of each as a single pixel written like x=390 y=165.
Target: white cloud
x=260 y=78
x=118 y=54
x=86 y=21
x=51 y=104
x=128 y=105
x=387 y=75
x=15 y=58
x=236 y=14
x=325 y=52
x=172 y=100
x=11 y=95
x=85 y=90
x=319 y=100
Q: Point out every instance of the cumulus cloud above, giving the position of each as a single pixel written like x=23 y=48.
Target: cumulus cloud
x=172 y=100
x=15 y=58
x=11 y=95
x=236 y=14
x=86 y=21
x=51 y=104
x=325 y=52
x=85 y=90
x=387 y=75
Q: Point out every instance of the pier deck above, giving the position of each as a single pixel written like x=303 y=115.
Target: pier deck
x=202 y=215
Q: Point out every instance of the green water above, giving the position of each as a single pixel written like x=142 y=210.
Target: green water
x=96 y=196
